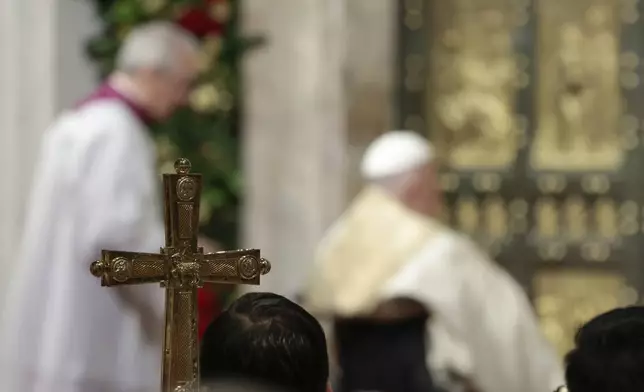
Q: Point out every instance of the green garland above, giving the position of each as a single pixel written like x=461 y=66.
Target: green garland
x=207 y=133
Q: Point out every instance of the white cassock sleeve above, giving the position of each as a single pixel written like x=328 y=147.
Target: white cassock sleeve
x=494 y=336
x=95 y=188
x=120 y=191
x=116 y=183
x=432 y=279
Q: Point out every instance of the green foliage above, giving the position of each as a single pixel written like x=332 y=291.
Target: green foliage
x=207 y=133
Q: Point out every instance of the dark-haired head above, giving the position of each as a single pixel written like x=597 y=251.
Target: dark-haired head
x=609 y=353
x=269 y=339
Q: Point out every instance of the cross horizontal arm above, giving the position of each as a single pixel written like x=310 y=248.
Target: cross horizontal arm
x=119 y=268
x=242 y=266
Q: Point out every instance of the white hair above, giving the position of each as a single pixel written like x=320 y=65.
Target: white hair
x=154 y=45
x=395 y=158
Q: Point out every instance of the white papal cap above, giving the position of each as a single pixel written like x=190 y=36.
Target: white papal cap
x=395 y=152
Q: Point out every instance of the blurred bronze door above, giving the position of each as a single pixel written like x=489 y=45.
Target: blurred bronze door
x=536 y=110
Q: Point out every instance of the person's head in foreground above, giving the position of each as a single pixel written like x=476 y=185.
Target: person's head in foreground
x=609 y=353
x=266 y=338
x=402 y=162
x=157 y=66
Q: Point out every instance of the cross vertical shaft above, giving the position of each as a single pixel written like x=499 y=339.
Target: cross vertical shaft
x=181 y=268
x=180 y=347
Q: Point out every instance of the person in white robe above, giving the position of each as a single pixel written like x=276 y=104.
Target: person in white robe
x=96 y=187
x=389 y=246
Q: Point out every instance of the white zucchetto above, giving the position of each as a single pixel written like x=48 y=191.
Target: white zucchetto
x=395 y=152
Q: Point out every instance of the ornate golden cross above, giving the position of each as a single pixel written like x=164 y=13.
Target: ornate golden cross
x=181 y=268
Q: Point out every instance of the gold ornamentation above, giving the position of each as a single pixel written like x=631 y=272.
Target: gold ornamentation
x=552 y=251
x=630 y=131
x=181 y=267
x=264 y=266
x=248 y=267
x=576 y=218
x=597 y=183
x=182 y=166
x=579 y=95
x=184 y=388
x=487 y=182
x=565 y=299
x=628 y=218
x=98 y=268
x=629 y=80
x=186 y=189
x=467 y=215
x=606 y=219
x=473 y=82
x=629 y=13
x=121 y=269
x=547 y=218
x=551 y=183
x=629 y=60
x=496 y=219
x=597 y=251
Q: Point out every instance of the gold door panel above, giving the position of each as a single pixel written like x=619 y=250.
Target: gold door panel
x=472 y=84
x=567 y=299
x=578 y=92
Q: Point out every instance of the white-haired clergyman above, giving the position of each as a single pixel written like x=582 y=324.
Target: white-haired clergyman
x=412 y=299
x=96 y=187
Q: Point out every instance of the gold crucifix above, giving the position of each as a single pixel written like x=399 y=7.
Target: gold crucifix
x=181 y=267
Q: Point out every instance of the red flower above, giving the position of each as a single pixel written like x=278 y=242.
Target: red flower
x=207 y=18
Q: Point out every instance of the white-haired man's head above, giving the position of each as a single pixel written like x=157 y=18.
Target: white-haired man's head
x=161 y=60
x=403 y=163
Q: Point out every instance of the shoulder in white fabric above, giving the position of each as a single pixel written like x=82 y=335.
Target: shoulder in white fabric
x=395 y=152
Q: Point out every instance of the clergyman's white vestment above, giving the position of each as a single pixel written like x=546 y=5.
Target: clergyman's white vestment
x=482 y=324
x=482 y=318
x=95 y=188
